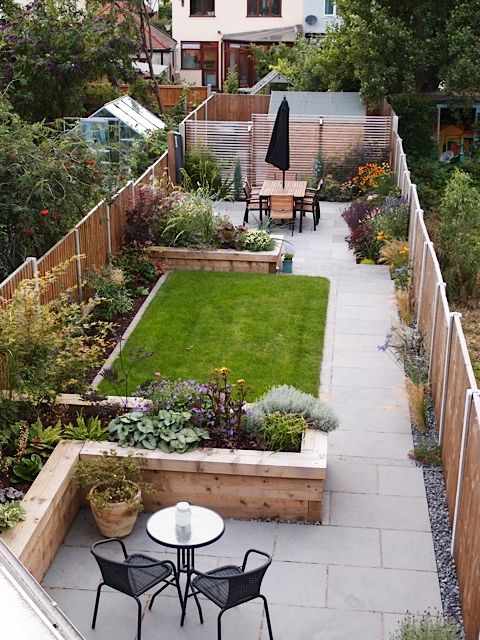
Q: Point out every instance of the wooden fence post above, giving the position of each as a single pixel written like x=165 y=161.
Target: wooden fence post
x=109 y=232
x=446 y=371
x=402 y=156
x=34 y=262
x=467 y=414
x=78 y=263
x=440 y=285
x=426 y=244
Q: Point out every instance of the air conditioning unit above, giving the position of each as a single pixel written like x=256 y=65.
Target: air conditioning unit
x=311 y=20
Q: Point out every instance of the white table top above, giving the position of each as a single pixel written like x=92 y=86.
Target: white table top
x=207 y=526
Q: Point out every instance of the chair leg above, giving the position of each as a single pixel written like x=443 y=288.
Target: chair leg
x=267 y=616
x=139 y=620
x=219 y=624
x=95 y=611
x=245 y=215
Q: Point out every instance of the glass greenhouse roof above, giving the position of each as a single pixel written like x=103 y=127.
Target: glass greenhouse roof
x=131 y=114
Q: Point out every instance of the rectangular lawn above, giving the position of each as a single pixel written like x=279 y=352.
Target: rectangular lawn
x=266 y=329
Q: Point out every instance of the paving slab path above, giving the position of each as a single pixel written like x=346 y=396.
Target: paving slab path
x=372 y=560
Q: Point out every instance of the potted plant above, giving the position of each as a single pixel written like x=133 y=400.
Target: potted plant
x=287 y=262
x=115 y=491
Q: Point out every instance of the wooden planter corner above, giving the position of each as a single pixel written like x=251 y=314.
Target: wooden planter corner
x=221 y=259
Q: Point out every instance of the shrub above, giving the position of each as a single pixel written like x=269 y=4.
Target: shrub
x=459 y=239
x=358 y=211
x=405 y=344
x=138 y=267
x=146 y=150
x=10 y=514
x=367 y=176
x=45 y=349
x=237 y=181
x=229 y=236
x=191 y=223
x=286 y=399
x=394 y=253
x=426 y=627
x=392 y=218
x=387 y=186
x=111 y=295
x=365 y=242
x=203 y=170
x=334 y=190
x=146 y=217
x=429 y=454
x=231 y=81
x=258 y=240
x=283 y=431
x=417 y=117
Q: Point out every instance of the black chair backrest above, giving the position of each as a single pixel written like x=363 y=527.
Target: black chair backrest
x=115 y=574
x=246 y=585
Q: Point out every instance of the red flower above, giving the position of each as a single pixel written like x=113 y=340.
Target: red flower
x=90 y=162
x=44 y=212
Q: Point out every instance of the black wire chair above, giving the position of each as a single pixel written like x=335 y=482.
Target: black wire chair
x=230 y=585
x=133 y=575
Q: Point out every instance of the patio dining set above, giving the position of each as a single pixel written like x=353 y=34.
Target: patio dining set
x=184 y=528
x=280 y=201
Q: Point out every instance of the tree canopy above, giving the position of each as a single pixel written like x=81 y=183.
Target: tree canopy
x=382 y=47
x=50 y=51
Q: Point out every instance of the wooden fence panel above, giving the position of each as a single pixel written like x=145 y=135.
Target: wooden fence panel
x=458 y=382
x=238 y=107
x=93 y=237
x=160 y=167
x=10 y=284
x=63 y=251
x=146 y=179
x=467 y=541
x=118 y=209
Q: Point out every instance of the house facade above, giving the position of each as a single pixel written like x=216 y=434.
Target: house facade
x=214 y=36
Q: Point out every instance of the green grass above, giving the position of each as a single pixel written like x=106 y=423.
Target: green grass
x=268 y=330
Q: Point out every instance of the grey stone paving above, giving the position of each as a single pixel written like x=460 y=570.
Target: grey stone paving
x=372 y=560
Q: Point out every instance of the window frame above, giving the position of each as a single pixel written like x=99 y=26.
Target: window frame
x=261 y=15
x=204 y=12
x=334 y=8
x=201 y=46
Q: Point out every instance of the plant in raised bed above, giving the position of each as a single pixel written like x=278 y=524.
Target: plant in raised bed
x=283 y=431
x=115 y=491
x=90 y=428
x=10 y=514
x=427 y=627
x=258 y=240
x=289 y=400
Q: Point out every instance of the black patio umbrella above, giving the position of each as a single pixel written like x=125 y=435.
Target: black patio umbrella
x=278 y=152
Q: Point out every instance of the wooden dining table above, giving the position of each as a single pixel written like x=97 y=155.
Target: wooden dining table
x=295 y=188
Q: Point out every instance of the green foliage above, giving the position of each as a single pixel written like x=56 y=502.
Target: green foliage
x=118 y=478
x=95 y=95
x=90 y=428
x=237 y=181
x=289 y=400
x=258 y=240
x=27 y=468
x=192 y=222
x=231 y=83
x=49 y=180
x=45 y=349
x=267 y=57
x=146 y=150
x=405 y=345
x=458 y=239
x=335 y=191
x=392 y=219
x=51 y=51
x=10 y=514
x=283 y=431
x=146 y=218
x=417 y=117
x=426 y=627
x=203 y=170
x=163 y=17
x=138 y=268
x=111 y=295
x=167 y=430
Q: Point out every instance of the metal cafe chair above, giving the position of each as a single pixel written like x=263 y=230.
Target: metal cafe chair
x=229 y=586
x=133 y=576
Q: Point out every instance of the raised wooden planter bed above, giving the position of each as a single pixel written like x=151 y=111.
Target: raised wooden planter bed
x=221 y=259
x=239 y=484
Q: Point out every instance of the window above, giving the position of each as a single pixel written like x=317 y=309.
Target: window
x=202 y=56
x=269 y=8
x=202 y=7
x=330 y=9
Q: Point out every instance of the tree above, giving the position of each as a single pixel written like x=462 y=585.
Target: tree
x=48 y=180
x=50 y=51
x=383 y=47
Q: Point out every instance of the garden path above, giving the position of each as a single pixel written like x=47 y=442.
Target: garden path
x=373 y=559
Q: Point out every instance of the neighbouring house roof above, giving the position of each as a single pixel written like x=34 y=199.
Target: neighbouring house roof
x=27 y=612
x=281 y=34
x=326 y=103
x=161 y=41
x=131 y=114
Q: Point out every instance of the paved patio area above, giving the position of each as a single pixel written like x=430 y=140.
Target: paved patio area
x=372 y=560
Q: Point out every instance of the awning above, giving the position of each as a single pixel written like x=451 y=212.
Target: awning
x=282 y=34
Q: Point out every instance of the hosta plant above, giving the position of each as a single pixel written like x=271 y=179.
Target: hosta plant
x=10 y=514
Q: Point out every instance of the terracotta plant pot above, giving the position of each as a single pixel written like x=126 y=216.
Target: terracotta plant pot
x=119 y=519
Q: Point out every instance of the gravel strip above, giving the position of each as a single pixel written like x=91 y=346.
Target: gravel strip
x=440 y=523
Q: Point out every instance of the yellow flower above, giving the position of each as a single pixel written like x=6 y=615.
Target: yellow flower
x=241 y=381
x=223 y=370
